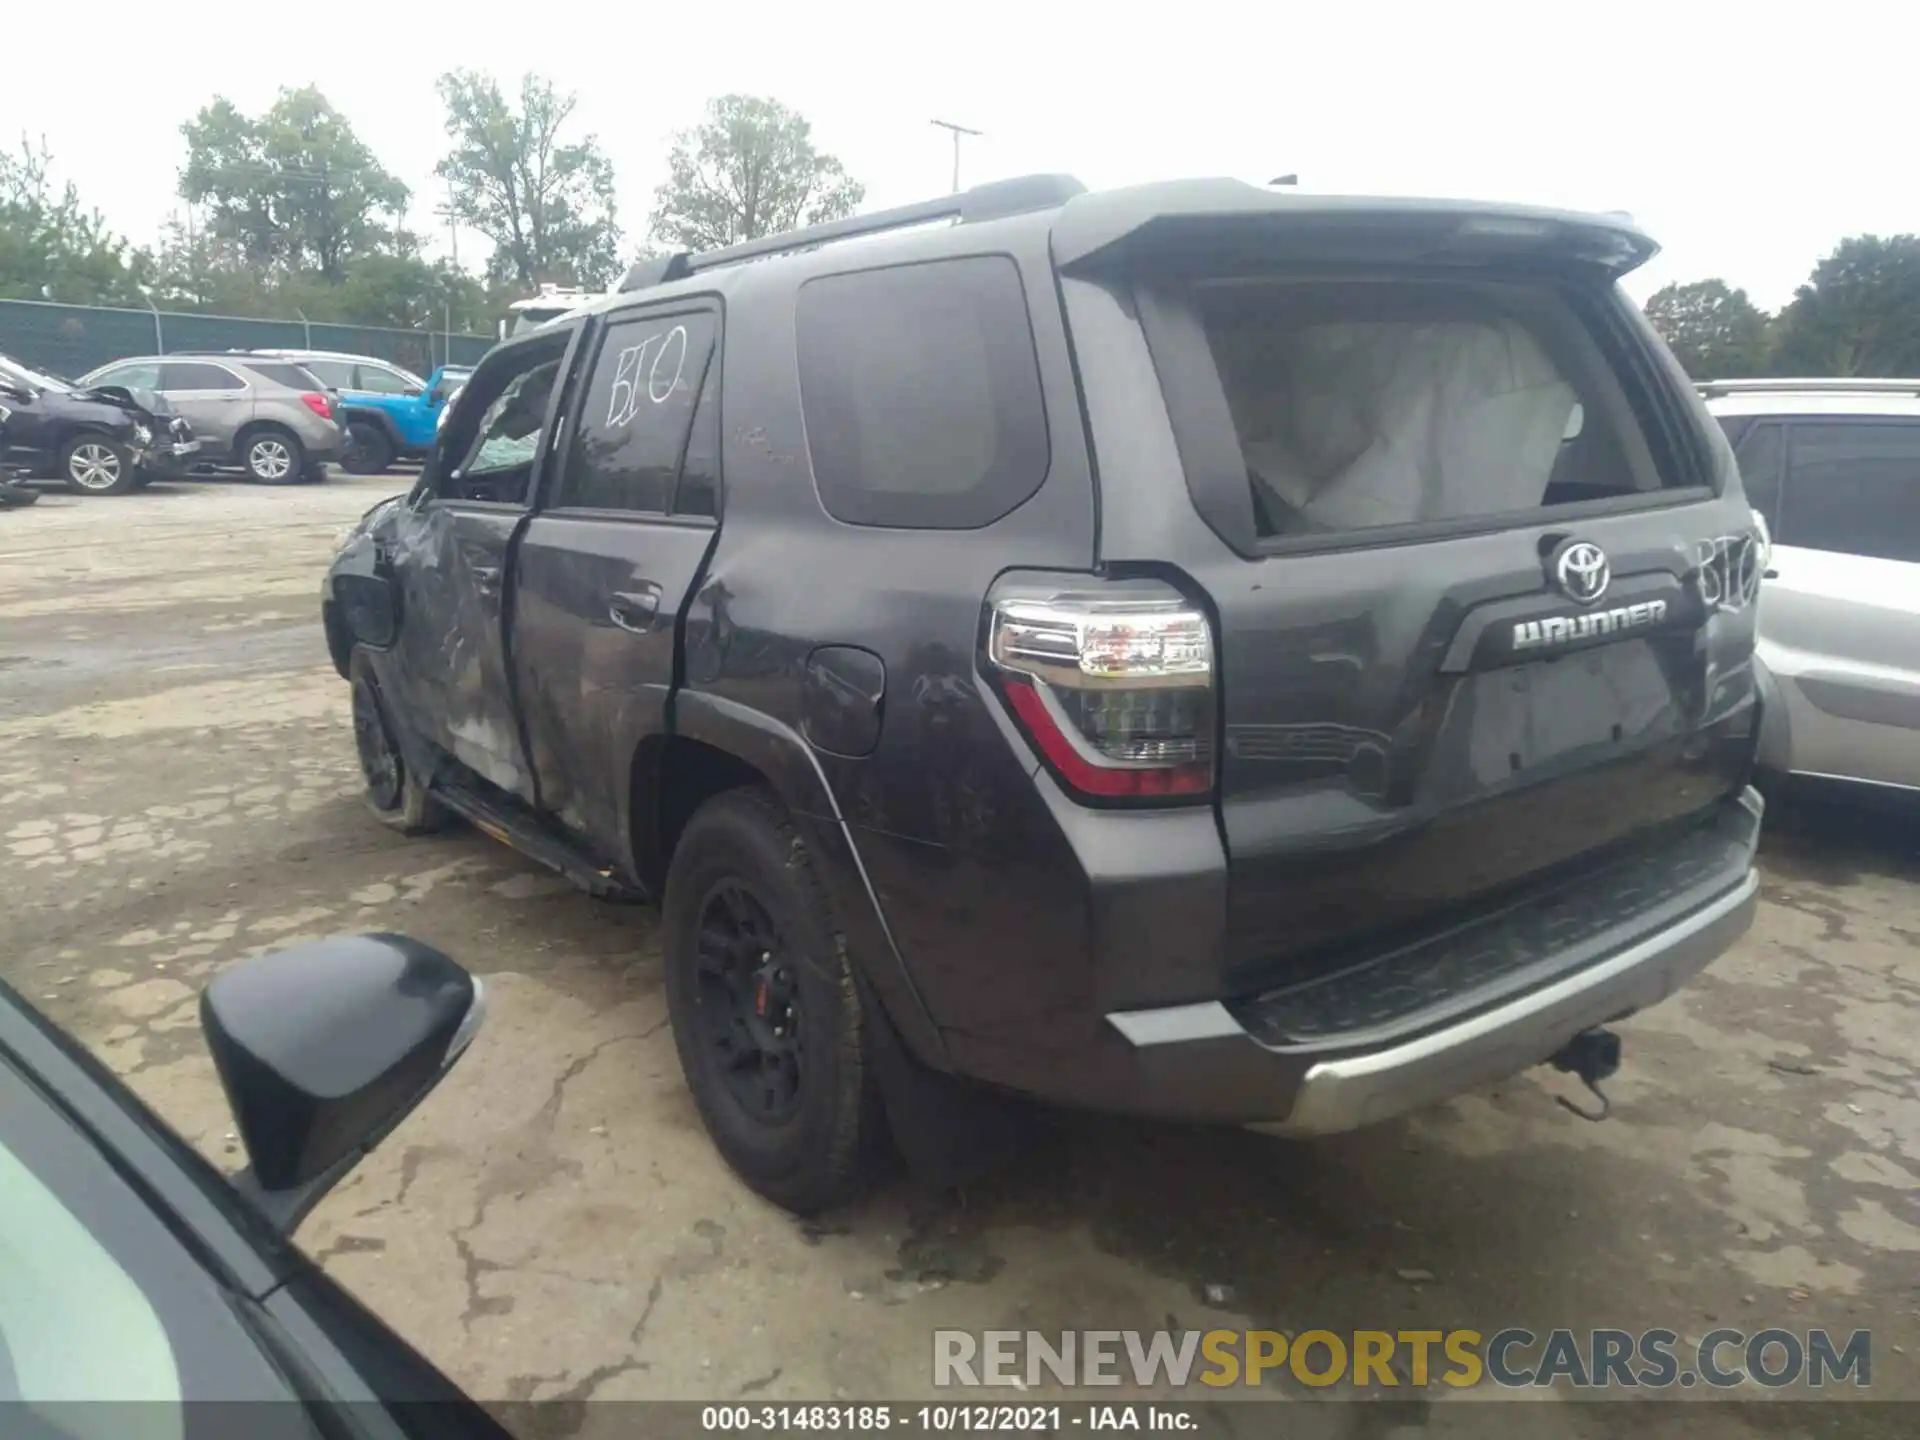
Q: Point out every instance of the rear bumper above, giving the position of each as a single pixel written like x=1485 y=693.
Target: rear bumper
x=1344 y=1094
x=1202 y=1061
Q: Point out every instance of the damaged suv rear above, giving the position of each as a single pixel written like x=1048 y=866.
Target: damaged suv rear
x=1467 y=555
x=1184 y=650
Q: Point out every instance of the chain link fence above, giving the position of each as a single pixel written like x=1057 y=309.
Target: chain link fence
x=74 y=339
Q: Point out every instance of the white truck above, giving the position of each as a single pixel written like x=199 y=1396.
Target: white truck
x=551 y=303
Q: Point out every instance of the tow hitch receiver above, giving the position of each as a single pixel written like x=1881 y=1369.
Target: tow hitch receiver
x=1593 y=1055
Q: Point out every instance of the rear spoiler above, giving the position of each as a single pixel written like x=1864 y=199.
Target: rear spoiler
x=1234 y=217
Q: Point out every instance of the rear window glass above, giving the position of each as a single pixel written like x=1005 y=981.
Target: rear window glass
x=291 y=376
x=922 y=393
x=1361 y=404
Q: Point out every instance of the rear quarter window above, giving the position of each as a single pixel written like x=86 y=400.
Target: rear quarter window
x=921 y=393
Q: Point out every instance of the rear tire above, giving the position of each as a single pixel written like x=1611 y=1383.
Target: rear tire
x=395 y=794
x=369 y=451
x=92 y=464
x=767 y=1019
x=272 y=456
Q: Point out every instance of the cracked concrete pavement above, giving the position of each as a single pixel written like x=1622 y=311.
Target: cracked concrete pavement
x=178 y=789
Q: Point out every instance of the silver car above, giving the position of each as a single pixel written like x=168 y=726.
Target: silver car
x=271 y=418
x=1833 y=467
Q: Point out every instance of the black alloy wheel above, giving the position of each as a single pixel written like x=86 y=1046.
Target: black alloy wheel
x=750 y=1002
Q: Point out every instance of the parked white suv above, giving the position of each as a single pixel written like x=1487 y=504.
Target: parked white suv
x=1834 y=468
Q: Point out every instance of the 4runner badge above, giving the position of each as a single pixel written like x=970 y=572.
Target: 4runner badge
x=1567 y=629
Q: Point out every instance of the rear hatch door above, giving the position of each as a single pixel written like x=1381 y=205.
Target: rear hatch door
x=1474 y=555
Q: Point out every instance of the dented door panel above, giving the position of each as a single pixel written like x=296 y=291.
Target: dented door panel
x=598 y=602
x=451 y=560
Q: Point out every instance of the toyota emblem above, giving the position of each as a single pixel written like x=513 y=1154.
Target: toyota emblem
x=1581 y=571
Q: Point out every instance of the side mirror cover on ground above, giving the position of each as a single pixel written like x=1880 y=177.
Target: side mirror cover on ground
x=323 y=1048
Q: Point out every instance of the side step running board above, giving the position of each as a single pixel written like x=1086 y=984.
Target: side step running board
x=513 y=825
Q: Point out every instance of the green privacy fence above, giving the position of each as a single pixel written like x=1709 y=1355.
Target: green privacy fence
x=73 y=339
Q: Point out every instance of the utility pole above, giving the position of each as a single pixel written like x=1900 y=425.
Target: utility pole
x=453 y=243
x=958 y=131
x=453 y=226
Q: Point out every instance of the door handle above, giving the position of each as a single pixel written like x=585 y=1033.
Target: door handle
x=1769 y=574
x=486 y=579
x=634 y=609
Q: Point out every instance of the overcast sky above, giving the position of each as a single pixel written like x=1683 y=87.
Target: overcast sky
x=1742 y=136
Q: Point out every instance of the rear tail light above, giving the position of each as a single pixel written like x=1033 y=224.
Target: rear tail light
x=1113 y=686
x=318 y=404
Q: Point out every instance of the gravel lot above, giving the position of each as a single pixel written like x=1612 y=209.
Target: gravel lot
x=178 y=789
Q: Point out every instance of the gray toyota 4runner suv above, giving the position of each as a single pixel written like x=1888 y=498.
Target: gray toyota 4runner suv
x=1186 y=650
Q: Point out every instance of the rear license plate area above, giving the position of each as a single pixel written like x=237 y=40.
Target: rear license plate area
x=1539 y=712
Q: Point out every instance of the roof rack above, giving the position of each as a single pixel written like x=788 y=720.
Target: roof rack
x=1823 y=384
x=994 y=200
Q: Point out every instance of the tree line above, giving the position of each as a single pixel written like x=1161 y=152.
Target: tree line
x=1858 y=314
x=288 y=212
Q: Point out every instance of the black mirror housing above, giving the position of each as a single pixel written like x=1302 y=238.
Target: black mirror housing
x=323 y=1048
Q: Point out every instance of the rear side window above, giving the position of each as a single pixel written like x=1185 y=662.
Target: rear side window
x=1853 y=487
x=375 y=380
x=337 y=374
x=294 y=377
x=188 y=375
x=922 y=393
x=637 y=413
x=1368 y=403
x=1759 y=456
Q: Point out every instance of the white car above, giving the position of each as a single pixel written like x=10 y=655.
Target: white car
x=1833 y=468
x=553 y=302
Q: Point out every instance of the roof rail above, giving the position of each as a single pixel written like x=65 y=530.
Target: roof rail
x=994 y=200
x=1808 y=385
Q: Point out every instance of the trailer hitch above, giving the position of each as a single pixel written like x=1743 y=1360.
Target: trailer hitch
x=1593 y=1055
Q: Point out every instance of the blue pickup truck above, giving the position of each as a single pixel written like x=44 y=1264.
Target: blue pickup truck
x=389 y=413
